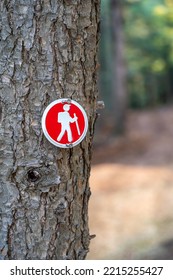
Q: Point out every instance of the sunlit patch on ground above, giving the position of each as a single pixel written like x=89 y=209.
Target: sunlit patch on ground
x=131 y=207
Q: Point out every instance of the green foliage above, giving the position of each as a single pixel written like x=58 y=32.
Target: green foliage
x=149 y=51
x=148 y=28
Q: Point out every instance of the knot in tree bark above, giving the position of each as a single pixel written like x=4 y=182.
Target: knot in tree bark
x=33 y=175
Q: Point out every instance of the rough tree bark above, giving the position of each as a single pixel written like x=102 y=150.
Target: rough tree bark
x=47 y=51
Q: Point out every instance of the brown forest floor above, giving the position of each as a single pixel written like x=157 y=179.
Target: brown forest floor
x=131 y=207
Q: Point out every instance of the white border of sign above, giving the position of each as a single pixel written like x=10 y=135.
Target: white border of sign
x=70 y=101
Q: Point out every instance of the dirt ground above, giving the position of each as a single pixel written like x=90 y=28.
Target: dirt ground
x=131 y=207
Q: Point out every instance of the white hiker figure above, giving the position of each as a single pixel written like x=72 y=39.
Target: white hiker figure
x=65 y=119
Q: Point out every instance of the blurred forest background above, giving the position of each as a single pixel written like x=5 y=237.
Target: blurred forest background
x=131 y=207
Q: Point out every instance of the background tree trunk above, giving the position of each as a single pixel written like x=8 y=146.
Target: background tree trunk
x=47 y=51
x=119 y=86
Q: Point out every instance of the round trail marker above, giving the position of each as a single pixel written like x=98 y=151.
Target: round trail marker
x=64 y=123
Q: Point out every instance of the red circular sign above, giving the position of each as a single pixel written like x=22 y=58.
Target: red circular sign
x=64 y=123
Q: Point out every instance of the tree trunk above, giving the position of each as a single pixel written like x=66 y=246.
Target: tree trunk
x=119 y=87
x=48 y=51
